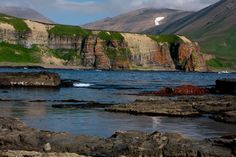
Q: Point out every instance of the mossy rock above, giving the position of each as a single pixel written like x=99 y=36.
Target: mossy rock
x=109 y=36
x=171 y=39
x=115 y=54
x=68 y=55
x=71 y=31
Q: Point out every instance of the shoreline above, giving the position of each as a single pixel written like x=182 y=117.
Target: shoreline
x=62 y=67
x=17 y=137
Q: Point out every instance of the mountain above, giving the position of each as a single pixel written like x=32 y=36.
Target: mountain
x=25 y=13
x=213 y=27
x=138 y=20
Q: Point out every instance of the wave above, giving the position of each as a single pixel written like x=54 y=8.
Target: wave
x=79 y=85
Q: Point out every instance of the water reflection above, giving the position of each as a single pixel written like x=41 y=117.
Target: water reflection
x=116 y=88
x=156 y=121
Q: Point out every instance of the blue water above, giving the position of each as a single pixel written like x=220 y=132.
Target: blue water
x=108 y=87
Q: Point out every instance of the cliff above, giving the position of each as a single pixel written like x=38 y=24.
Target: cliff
x=74 y=46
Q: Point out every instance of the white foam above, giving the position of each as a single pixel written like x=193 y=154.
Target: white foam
x=82 y=84
x=158 y=19
x=224 y=72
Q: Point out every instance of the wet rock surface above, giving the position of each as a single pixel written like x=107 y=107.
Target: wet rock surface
x=178 y=106
x=15 y=135
x=181 y=90
x=33 y=79
x=228 y=117
x=15 y=153
x=81 y=105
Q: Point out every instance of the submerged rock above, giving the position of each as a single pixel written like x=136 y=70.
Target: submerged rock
x=33 y=79
x=81 y=105
x=130 y=144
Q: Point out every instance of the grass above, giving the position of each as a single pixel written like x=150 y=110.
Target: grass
x=64 y=54
x=17 y=23
x=18 y=53
x=223 y=47
x=165 y=38
x=118 y=54
x=108 y=36
x=73 y=31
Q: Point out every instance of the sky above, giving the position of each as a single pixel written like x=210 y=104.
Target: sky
x=78 y=12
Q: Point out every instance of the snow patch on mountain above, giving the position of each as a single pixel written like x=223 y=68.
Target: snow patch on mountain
x=158 y=19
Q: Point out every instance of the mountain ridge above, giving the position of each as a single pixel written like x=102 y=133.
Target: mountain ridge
x=214 y=27
x=25 y=13
x=137 y=20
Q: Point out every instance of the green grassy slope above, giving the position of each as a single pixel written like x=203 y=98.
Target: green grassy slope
x=18 y=54
x=17 y=23
x=222 y=45
x=63 y=30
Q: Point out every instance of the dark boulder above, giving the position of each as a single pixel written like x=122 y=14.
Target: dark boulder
x=226 y=86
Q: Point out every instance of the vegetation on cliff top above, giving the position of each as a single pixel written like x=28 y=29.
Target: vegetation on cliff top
x=223 y=47
x=108 y=36
x=65 y=54
x=17 y=23
x=118 y=54
x=18 y=53
x=165 y=38
x=74 y=31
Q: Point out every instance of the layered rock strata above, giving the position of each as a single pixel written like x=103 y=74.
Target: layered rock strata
x=183 y=106
x=136 y=51
x=20 y=79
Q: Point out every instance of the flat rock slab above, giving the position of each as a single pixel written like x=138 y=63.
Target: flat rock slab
x=228 y=117
x=156 y=108
x=20 y=79
x=15 y=135
x=226 y=86
x=183 y=106
x=15 y=153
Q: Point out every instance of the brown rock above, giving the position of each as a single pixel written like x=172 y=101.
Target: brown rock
x=178 y=106
x=102 y=61
x=42 y=79
x=228 y=117
x=88 y=53
x=130 y=144
x=17 y=153
x=181 y=90
x=160 y=107
x=190 y=90
x=189 y=57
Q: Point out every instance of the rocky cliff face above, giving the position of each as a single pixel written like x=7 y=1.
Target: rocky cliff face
x=112 y=51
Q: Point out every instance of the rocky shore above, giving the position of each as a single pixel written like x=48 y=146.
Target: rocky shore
x=222 y=107
x=16 y=137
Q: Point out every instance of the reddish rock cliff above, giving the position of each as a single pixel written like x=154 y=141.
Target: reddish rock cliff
x=134 y=50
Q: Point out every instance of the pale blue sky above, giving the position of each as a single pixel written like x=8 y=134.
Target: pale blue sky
x=77 y=12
